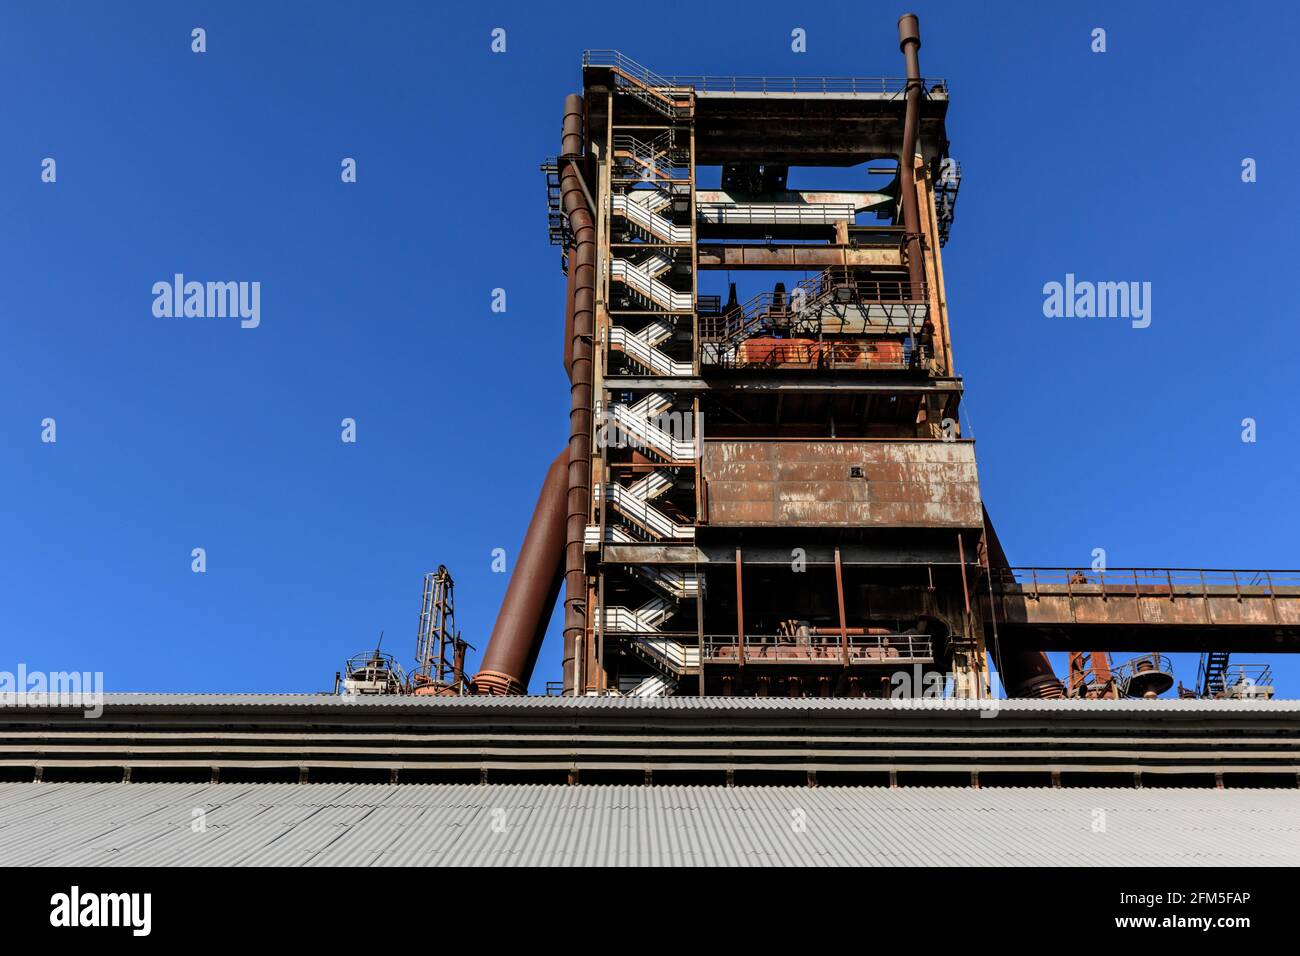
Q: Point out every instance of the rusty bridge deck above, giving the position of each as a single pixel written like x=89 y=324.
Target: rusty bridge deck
x=1147 y=609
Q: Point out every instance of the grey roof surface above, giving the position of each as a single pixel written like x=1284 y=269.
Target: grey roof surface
x=781 y=704
x=381 y=824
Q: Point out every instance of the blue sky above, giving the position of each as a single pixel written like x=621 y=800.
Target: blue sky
x=182 y=433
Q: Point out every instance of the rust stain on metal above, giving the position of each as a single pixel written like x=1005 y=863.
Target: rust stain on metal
x=842 y=483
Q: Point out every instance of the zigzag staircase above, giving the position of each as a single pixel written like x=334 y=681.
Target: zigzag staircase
x=649 y=270
x=647 y=224
x=640 y=349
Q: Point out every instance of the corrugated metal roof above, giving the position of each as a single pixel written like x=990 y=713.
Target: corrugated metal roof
x=76 y=824
x=784 y=704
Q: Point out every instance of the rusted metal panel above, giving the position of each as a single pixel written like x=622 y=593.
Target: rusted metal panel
x=724 y=255
x=1056 y=604
x=899 y=484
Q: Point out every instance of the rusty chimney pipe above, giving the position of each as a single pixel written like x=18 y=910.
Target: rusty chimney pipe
x=909 y=41
x=534 y=585
x=582 y=267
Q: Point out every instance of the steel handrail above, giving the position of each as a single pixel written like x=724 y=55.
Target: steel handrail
x=1153 y=579
x=837 y=285
x=874 y=85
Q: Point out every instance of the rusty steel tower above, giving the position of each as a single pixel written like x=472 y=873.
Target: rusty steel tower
x=767 y=488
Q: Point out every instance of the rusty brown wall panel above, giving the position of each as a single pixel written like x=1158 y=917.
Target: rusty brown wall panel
x=906 y=484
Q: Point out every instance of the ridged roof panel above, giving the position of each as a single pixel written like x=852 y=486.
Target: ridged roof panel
x=74 y=824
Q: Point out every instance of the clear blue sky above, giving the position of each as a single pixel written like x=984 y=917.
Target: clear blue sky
x=182 y=433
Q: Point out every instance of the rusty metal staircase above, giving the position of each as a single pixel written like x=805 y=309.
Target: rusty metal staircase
x=1211 y=675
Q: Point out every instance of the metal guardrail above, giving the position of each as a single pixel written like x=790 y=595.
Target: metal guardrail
x=832 y=287
x=1176 y=581
x=650 y=288
x=774 y=213
x=816 y=355
x=1231 y=675
x=874 y=85
x=785 y=648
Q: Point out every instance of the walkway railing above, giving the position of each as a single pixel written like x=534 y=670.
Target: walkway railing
x=860 y=85
x=1166 y=581
x=821 y=649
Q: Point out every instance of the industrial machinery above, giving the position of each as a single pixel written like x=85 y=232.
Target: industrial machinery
x=439 y=648
x=772 y=493
x=373 y=672
x=439 y=652
x=1147 y=676
x=1217 y=679
x=1091 y=676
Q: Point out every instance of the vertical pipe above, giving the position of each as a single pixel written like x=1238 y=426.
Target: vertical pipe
x=582 y=264
x=909 y=41
x=965 y=590
x=740 y=614
x=839 y=595
x=699 y=628
x=568 y=322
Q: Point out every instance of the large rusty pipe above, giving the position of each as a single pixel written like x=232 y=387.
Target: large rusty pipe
x=1024 y=673
x=909 y=41
x=568 y=323
x=582 y=268
x=534 y=585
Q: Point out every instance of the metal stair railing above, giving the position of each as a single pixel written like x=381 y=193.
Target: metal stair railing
x=641 y=513
x=679 y=585
x=652 y=485
x=656 y=685
x=612 y=533
x=667 y=655
x=648 y=435
x=652 y=200
x=658 y=159
x=646 y=619
x=650 y=288
x=649 y=222
x=1211 y=672
x=647 y=355
x=805 y=301
x=774 y=214
x=640 y=82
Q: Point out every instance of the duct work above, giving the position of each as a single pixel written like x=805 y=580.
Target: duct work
x=909 y=41
x=1025 y=673
x=553 y=547
x=534 y=585
x=581 y=326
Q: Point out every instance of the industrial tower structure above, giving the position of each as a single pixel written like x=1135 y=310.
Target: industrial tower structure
x=770 y=493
